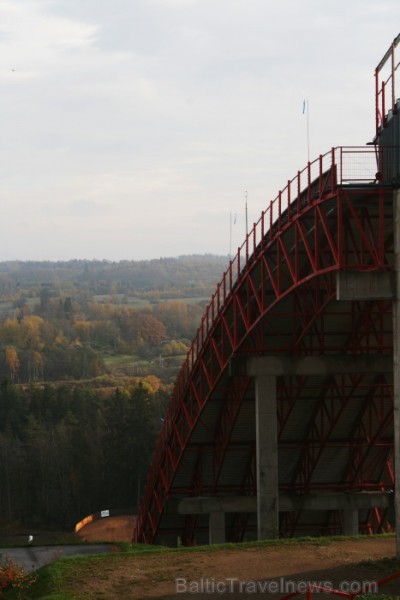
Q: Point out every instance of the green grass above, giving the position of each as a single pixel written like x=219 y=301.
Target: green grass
x=118 y=360
x=123 y=365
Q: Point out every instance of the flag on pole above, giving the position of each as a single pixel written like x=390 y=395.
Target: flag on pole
x=304 y=106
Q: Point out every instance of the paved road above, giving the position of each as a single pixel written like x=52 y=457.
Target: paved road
x=34 y=557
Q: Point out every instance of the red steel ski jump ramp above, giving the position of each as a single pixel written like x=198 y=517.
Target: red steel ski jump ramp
x=282 y=418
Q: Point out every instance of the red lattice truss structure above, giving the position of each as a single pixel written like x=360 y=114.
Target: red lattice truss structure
x=278 y=297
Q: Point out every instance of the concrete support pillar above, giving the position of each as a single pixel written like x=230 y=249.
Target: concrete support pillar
x=217 y=528
x=350 y=521
x=267 y=457
x=396 y=362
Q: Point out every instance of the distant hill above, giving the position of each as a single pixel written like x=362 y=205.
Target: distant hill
x=79 y=319
x=184 y=273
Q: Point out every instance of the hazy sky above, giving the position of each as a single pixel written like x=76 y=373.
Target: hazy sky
x=131 y=129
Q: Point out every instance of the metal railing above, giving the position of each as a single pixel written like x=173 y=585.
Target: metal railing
x=387 y=85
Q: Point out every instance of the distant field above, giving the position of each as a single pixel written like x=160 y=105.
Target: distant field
x=5 y=309
x=125 y=364
x=142 y=302
x=121 y=300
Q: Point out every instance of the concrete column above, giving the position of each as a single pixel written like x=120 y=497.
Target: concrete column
x=267 y=457
x=217 y=528
x=396 y=361
x=350 y=522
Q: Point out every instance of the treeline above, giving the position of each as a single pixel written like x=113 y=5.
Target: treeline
x=185 y=275
x=67 y=320
x=67 y=452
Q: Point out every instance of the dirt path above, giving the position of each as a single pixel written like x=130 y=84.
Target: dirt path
x=109 y=529
x=239 y=573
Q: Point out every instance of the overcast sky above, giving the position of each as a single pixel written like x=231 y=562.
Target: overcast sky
x=131 y=129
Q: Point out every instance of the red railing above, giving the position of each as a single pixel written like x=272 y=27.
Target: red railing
x=387 y=89
x=339 y=166
x=312 y=588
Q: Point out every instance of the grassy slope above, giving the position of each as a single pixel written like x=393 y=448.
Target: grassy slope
x=55 y=581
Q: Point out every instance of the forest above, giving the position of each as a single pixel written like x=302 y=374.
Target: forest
x=89 y=351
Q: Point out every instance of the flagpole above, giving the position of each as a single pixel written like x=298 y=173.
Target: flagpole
x=247 y=223
x=230 y=235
